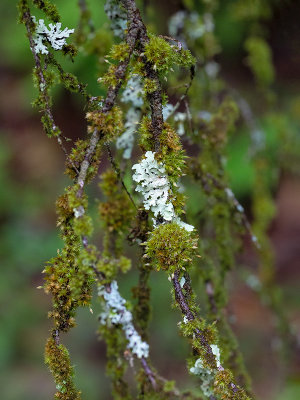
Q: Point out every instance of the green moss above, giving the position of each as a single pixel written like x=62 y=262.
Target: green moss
x=44 y=100
x=69 y=275
x=59 y=271
x=48 y=8
x=119 y=52
x=23 y=10
x=117 y=211
x=150 y=85
x=164 y=56
x=81 y=282
x=83 y=226
x=109 y=124
x=73 y=200
x=111 y=79
x=75 y=158
x=171 y=247
x=47 y=123
x=223 y=387
x=58 y=360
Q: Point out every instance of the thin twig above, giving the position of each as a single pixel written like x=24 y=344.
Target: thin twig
x=43 y=85
x=184 y=96
x=118 y=173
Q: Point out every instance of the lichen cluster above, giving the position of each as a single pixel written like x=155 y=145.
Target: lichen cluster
x=146 y=208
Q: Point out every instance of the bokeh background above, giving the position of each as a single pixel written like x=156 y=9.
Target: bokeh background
x=31 y=178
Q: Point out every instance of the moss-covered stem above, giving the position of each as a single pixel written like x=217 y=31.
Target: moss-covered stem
x=187 y=312
x=109 y=101
x=27 y=19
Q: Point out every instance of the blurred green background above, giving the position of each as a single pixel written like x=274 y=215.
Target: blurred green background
x=31 y=178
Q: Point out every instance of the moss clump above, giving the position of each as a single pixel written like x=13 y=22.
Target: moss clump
x=69 y=274
x=224 y=388
x=48 y=8
x=164 y=56
x=58 y=360
x=110 y=124
x=150 y=85
x=119 y=52
x=171 y=154
x=83 y=226
x=70 y=82
x=110 y=78
x=51 y=129
x=59 y=271
x=117 y=211
x=73 y=200
x=75 y=158
x=171 y=247
x=81 y=282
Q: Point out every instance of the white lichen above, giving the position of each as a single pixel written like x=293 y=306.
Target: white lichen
x=117 y=16
x=79 y=211
x=133 y=95
x=133 y=92
x=176 y=23
x=184 y=225
x=155 y=188
x=205 y=115
x=116 y=313
x=253 y=282
x=190 y=26
x=206 y=374
x=212 y=69
x=126 y=140
x=182 y=281
x=52 y=35
x=167 y=110
x=180 y=117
